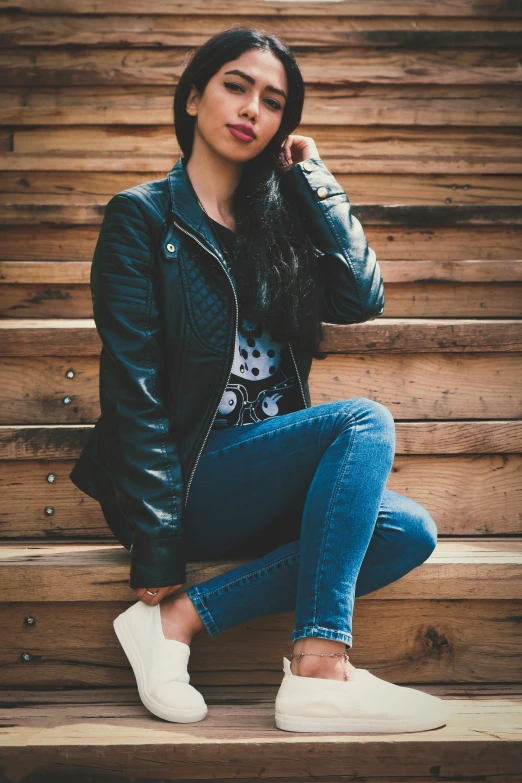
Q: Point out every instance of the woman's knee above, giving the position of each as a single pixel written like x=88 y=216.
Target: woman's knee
x=423 y=529
x=361 y=406
x=377 y=417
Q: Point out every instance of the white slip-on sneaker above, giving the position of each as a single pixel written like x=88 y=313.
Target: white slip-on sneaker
x=159 y=665
x=361 y=705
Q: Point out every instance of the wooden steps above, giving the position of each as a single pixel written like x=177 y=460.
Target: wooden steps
x=25 y=208
x=466 y=473
x=22 y=337
x=415 y=289
x=415 y=107
x=454 y=619
x=459 y=568
x=105 y=735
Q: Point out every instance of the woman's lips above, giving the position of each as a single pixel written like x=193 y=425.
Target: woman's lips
x=239 y=134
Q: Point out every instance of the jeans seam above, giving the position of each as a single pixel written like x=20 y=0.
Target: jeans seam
x=329 y=517
x=259 y=570
x=279 y=429
x=339 y=635
x=195 y=595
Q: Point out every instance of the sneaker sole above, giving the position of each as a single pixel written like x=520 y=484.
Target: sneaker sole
x=354 y=725
x=167 y=713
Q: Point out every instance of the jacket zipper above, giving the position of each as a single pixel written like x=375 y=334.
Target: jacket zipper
x=297 y=373
x=231 y=364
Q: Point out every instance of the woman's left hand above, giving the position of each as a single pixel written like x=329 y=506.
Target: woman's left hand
x=296 y=149
x=160 y=593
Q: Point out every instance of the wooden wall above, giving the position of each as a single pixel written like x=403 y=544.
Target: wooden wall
x=415 y=106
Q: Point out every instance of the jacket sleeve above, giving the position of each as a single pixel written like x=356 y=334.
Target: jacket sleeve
x=352 y=285
x=140 y=452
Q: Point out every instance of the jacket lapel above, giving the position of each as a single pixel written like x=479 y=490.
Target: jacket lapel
x=185 y=208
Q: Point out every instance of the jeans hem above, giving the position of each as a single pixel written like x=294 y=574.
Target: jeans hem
x=322 y=633
x=201 y=607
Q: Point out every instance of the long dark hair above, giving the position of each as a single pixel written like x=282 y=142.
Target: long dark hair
x=274 y=264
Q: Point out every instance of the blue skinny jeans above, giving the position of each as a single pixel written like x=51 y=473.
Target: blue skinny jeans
x=313 y=482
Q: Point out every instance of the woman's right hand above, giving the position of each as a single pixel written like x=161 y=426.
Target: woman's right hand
x=161 y=593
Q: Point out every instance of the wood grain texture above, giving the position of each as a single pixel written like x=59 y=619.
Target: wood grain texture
x=346 y=149
x=379 y=8
x=84 y=66
x=427 y=271
x=72 y=643
x=379 y=189
x=431 y=384
x=28 y=337
x=378 y=104
x=111 y=736
x=25 y=209
x=408 y=300
x=459 y=568
x=392 y=243
x=300 y=30
x=62 y=441
x=466 y=494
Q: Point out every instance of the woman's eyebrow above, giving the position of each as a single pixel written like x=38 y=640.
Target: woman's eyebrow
x=253 y=81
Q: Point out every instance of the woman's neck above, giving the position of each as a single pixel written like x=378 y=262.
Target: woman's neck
x=215 y=180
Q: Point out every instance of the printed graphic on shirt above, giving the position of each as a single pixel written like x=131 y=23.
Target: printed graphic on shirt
x=263 y=382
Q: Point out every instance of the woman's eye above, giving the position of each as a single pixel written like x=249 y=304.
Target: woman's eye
x=274 y=104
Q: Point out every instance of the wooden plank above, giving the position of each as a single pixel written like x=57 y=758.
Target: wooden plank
x=425 y=386
x=421 y=271
x=414 y=335
x=415 y=386
x=79 y=162
x=465 y=494
x=414 y=150
x=392 y=243
x=424 y=189
x=75 y=301
x=450 y=271
x=25 y=209
x=422 y=300
x=6 y=140
x=378 y=8
x=385 y=105
x=74 y=645
x=348 y=149
x=43 y=67
x=432 y=300
x=21 y=701
x=99 y=183
x=37 y=389
x=28 y=337
x=72 y=273
x=241 y=742
x=299 y=31
x=65 y=442
x=458 y=568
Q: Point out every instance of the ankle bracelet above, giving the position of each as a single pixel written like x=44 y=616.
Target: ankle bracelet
x=344 y=655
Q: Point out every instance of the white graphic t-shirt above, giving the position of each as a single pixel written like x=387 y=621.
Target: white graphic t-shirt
x=263 y=382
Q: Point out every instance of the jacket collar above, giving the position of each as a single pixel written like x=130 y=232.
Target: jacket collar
x=186 y=208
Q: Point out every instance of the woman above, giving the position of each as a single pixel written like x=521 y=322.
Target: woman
x=209 y=291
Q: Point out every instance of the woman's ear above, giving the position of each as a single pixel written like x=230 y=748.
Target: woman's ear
x=192 y=102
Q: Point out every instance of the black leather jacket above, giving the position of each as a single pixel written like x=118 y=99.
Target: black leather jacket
x=168 y=324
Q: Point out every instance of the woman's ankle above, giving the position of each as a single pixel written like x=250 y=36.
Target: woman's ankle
x=180 y=619
x=317 y=659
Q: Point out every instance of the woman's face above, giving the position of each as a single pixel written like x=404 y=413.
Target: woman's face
x=254 y=100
